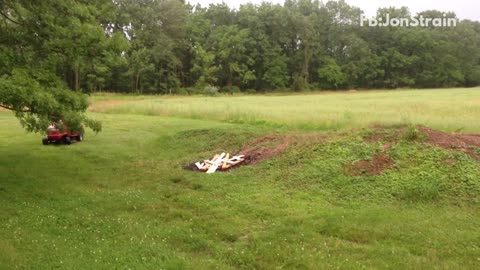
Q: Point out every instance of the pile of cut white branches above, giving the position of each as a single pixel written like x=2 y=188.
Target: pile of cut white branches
x=220 y=162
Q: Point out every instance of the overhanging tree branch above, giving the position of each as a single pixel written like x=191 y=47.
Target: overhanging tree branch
x=8 y=18
x=13 y=109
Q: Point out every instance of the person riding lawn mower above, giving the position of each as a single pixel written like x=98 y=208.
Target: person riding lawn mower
x=59 y=133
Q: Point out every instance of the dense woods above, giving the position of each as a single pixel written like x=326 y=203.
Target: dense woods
x=166 y=46
x=169 y=47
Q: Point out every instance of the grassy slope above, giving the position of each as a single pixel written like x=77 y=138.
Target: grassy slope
x=448 y=109
x=120 y=198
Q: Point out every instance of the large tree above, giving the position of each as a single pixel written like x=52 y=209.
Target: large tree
x=37 y=55
x=155 y=29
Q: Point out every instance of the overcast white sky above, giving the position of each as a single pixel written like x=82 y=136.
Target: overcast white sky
x=465 y=9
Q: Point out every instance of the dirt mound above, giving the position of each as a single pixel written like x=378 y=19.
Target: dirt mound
x=467 y=143
x=269 y=146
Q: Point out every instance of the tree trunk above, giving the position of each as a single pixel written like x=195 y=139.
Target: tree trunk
x=306 y=60
x=137 y=82
x=229 y=79
x=76 y=79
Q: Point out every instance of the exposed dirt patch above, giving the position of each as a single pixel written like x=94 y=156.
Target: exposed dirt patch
x=467 y=143
x=389 y=136
x=264 y=148
x=259 y=149
x=374 y=166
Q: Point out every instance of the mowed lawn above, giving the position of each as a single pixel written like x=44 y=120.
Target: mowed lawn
x=122 y=200
x=443 y=109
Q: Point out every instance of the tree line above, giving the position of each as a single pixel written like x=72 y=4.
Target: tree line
x=167 y=46
x=170 y=47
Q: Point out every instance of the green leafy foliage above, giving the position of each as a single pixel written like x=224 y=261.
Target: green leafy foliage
x=37 y=106
x=43 y=44
x=210 y=90
x=301 y=45
x=331 y=75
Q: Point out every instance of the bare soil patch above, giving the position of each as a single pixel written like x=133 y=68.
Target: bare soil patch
x=259 y=149
x=265 y=147
x=374 y=166
x=467 y=143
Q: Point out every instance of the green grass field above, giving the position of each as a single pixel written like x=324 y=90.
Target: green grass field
x=121 y=199
x=450 y=110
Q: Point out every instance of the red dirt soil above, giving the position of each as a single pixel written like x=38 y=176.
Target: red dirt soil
x=264 y=148
x=375 y=166
x=467 y=143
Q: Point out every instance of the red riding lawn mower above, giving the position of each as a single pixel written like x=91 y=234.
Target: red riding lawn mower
x=62 y=135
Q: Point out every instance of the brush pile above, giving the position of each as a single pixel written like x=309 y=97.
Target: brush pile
x=220 y=162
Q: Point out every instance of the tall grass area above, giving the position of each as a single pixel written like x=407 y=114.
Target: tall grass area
x=443 y=109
